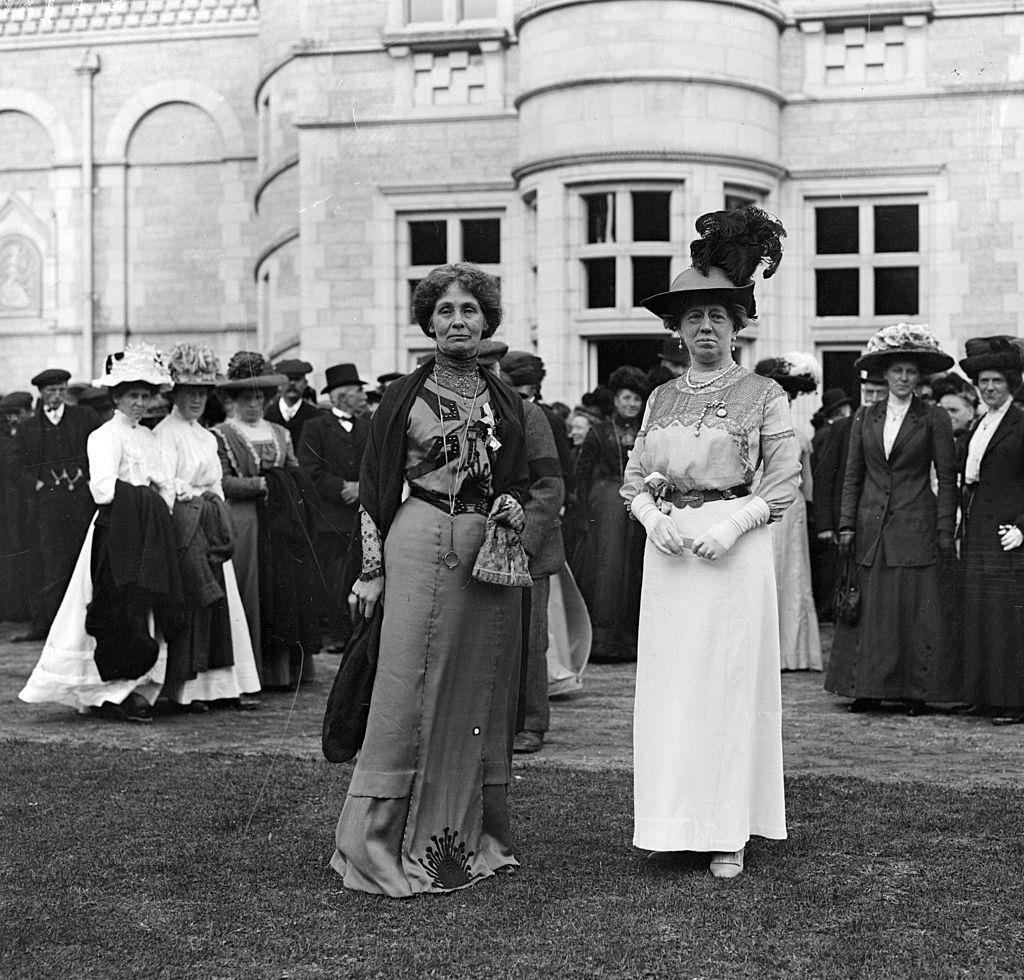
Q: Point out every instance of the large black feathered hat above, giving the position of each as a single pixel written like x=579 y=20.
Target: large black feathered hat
x=731 y=247
x=629 y=377
x=1000 y=353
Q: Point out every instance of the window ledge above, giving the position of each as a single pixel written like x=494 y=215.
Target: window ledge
x=402 y=43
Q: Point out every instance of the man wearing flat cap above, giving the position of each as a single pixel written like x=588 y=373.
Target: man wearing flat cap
x=330 y=451
x=291 y=409
x=55 y=469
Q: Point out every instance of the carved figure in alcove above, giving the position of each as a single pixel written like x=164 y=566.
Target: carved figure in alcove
x=19 y=274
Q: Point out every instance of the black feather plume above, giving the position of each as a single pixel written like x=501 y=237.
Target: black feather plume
x=737 y=242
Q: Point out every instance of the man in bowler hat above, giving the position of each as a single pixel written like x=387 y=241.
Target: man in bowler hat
x=291 y=409
x=51 y=448
x=330 y=450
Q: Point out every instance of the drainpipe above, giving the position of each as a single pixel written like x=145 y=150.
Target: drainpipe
x=89 y=66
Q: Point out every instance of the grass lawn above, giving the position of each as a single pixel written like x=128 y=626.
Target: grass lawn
x=122 y=864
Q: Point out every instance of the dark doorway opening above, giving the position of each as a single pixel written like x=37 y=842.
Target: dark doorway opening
x=641 y=352
x=838 y=372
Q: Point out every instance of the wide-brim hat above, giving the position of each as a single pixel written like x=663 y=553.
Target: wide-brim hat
x=904 y=342
x=340 y=375
x=523 y=368
x=675 y=299
x=51 y=376
x=293 y=368
x=95 y=398
x=384 y=379
x=833 y=399
x=137 y=362
x=194 y=364
x=249 y=370
x=1001 y=353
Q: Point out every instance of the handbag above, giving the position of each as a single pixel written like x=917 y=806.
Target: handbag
x=502 y=559
x=348 y=704
x=846 y=595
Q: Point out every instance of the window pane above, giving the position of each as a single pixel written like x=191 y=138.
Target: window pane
x=426 y=10
x=479 y=9
x=428 y=242
x=836 y=231
x=896 y=228
x=650 y=216
x=600 y=276
x=837 y=292
x=650 y=276
x=413 y=283
x=481 y=240
x=896 y=290
x=735 y=200
x=600 y=218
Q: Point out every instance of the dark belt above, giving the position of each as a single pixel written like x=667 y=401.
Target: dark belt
x=464 y=503
x=697 y=498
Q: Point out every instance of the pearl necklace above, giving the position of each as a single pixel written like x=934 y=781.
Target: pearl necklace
x=698 y=385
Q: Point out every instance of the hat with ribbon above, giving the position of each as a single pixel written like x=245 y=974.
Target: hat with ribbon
x=904 y=341
x=796 y=372
x=51 y=376
x=250 y=370
x=1002 y=353
x=340 y=375
x=194 y=364
x=723 y=261
x=137 y=362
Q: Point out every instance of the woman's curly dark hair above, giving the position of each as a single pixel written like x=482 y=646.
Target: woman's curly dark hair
x=630 y=378
x=482 y=286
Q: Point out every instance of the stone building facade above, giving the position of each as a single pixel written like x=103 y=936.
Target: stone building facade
x=279 y=175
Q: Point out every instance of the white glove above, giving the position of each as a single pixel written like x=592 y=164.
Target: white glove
x=661 y=529
x=1010 y=536
x=723 y=534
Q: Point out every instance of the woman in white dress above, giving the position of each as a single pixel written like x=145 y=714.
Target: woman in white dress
x=103 y=653
x=799 y=637
x=707 y=730
x=212 y=658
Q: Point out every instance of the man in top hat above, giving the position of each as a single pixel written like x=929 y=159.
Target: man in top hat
x=55 y=469
x=331 y=450
x=291 y=409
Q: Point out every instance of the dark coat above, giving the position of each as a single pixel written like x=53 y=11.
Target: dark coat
x=998 y=497
x=829 y=452
x=889 y=502
x=295 y=425
x=331 y=456
x=38 y=463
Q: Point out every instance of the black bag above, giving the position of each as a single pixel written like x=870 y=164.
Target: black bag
x=348 y=705
x=846 y=596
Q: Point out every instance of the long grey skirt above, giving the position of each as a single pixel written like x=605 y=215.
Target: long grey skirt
x=427 y=806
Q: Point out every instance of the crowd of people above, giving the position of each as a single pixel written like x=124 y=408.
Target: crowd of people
x=178 y=534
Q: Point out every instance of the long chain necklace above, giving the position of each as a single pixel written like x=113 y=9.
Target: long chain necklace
x=698 y=385
x=451 y=559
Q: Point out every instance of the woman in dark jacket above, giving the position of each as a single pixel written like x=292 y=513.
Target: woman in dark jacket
x=897 y=530
x=427 y=807
x=991 y=553
x=608 y=562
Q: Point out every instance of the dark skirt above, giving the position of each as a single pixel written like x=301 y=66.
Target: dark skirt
x=993 y=595
x=608 y=568
x=902 y=648
x=427 y=806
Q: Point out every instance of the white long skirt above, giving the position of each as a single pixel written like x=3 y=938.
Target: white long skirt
x=707 y=726
x=66 y=672
x=569 y=635
x=799 y=638
x=224 y=682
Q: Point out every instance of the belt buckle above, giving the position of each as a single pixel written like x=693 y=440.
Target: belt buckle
x=692 y=498
x=728 y=495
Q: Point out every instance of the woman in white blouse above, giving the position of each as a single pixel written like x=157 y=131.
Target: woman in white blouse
x=120 y=451
x=707 y=729
x=212 y=659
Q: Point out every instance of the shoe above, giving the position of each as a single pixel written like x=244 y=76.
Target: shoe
x=917 y=708
x=108 y=710
x=32 y=636
x=528 y=742
x=246 y=702
x=136 y=708
x=861 y=705
x=198 y=708
x=727 y=865
x=1008 y=720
